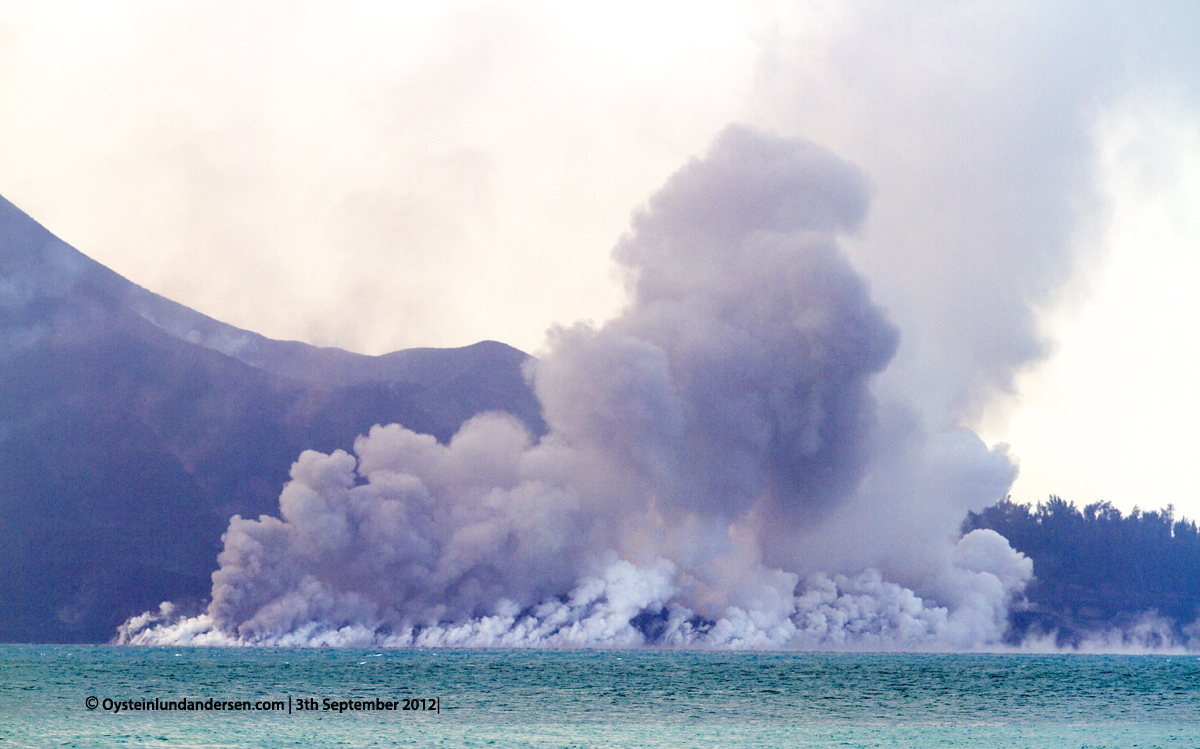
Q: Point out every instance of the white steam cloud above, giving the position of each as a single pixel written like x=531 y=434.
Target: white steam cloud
x=717 y=470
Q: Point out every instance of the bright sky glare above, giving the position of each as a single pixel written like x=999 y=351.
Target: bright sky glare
x=1112 y=414
x=384 y=175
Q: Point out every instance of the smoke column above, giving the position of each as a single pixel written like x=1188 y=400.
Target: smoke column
x=717 y=471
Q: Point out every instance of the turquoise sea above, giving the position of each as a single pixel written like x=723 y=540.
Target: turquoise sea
x=592 y=699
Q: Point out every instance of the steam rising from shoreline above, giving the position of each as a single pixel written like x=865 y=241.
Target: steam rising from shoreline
x=717 y=470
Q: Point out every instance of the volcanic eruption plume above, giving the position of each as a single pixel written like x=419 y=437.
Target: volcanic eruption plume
x=717 y=470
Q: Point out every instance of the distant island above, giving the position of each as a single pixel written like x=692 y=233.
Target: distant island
x=132 y=428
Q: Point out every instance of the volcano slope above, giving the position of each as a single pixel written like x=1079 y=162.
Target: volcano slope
x=132 y=428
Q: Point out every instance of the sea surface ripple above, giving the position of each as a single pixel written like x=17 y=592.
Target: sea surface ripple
x=588 y=698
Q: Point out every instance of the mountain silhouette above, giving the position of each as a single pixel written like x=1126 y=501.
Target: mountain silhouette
x=132 y=428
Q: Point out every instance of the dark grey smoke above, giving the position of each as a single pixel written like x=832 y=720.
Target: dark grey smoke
x=769 y=336
x=695 y=443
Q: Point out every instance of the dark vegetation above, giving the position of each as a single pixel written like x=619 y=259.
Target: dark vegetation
x=1095 y=568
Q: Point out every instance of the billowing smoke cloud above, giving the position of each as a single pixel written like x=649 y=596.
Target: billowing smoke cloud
x=717 y=470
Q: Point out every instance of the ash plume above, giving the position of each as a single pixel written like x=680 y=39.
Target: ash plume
x=717 y=470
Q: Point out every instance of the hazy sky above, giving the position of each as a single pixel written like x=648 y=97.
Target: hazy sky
x=383 y=175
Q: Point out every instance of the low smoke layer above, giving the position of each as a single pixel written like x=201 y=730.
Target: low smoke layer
x=717 y=471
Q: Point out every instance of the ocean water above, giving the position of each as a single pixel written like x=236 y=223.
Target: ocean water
x=547 y=699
